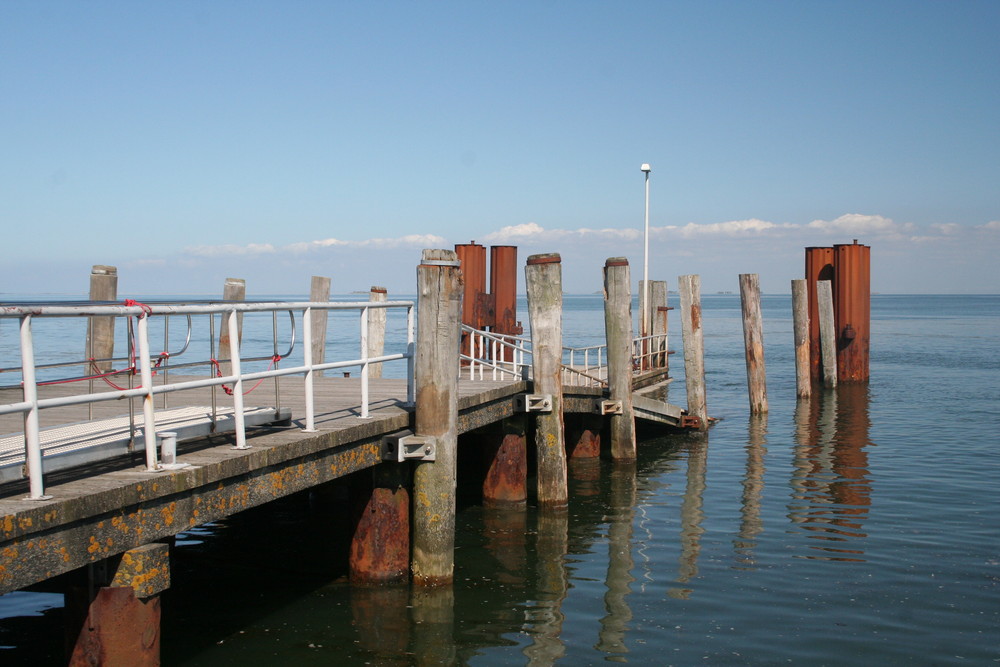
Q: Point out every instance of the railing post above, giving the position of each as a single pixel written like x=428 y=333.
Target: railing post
x=308 y=362
x=319 y=291
x=235 y=369
x=376 y=329
x=439 y=286
x=618 y=329
x=694 y=347
x=146 y=377
x=753 y=340
x=800 y=326
x=543 y=277
x=32 y=436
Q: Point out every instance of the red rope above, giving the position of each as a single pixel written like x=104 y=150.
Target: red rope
x=229 y=390
x=146 y=310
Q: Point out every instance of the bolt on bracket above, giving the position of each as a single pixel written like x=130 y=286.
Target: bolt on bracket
x=608 y=407
x=405 y=446
x=533 y=403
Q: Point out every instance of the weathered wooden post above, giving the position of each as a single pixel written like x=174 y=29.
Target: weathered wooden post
x=116 y=619
x=101 y=330
x=376 y=329
x=235 y=289
x=618 y=329
x=506 y=454
x=827 y=332
x=658 y=301
x=800 y=330
x=543 y=277
x=439 y=286
x=380 y=547
x=694 y=347
x=819 y=266
x=753 y=339
x=319 y=292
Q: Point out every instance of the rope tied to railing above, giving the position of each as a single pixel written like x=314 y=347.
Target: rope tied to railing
x=146 y=309
x=229 y=390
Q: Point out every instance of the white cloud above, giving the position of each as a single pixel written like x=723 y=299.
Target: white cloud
x=992 y=225
x=947 y=228
x=856 y=223
x=730 y=228
x=231 y=249
x=410 y=240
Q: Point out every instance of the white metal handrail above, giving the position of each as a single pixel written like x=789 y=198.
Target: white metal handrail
x=32 y=404
x=503 y=354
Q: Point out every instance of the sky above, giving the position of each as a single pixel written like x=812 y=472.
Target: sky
x=188 y=142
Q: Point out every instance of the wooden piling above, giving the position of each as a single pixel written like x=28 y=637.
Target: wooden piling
x=543 y=277
x=694 y=347
x=800 y=327
x=753 y=339
x=235 y=289
x=439 y=286
x=618 y=329
x=827 y=332
x=376 y=329
x=319 y=292
x=101 y=330
x=658 y=301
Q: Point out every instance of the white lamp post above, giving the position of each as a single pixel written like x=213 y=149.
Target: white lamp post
x=644 y=326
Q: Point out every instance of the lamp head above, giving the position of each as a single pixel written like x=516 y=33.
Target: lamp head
x=646 y=168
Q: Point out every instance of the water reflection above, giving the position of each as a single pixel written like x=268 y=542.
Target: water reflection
x=382 y=617
x=618 y=583
x=751 y=524
x=831 y=489
x=544 y=620
x=692 y=514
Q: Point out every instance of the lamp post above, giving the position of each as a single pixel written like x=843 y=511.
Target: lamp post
x=644 y=326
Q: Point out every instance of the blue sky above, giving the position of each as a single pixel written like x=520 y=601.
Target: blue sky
x=186 y=142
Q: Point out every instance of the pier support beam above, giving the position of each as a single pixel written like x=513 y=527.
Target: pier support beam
x=120 y=623
x=543 y=277
x=380 y=548
x=694 y=347
x=618 y=328
x=439 y=286
x=506 y=483
x=583 y=437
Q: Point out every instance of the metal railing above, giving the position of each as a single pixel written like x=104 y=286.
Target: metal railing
x=143 y=363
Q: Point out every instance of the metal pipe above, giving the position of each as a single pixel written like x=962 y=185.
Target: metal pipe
x=234 y=355
x=146 y=377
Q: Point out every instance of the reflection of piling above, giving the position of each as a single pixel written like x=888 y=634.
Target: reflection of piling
x=543 y=274
x=439 y=286
x=382 y=618
x=800 y=327
x=692 y=515
x=753 y=338
x=618 y=327
x=617 y=615
x=546 y=617
x=694 y=347
x=434 y=613
x=751 y=524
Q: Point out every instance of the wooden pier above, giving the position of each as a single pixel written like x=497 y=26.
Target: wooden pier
x=107 y=526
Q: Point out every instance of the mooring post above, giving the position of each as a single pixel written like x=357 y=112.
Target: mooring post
x=319 y=292
x=101 y=330
x=658 y=302
x=853 y=310
x=694 y=347
x=506 y=454
x=800 y=331
x=618 y=329
x=380 y=546
x=119 y=624
x=543 y=277
x=439 y=308
x=235 y=289
x=376 y=329
x=753 y=340
x=827 y=332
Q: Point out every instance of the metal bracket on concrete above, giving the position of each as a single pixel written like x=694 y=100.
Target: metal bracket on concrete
x=405 y=446
x=533 y=403
x=608 y=407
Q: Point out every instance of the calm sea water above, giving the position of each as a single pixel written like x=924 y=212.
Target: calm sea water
x=858 y=528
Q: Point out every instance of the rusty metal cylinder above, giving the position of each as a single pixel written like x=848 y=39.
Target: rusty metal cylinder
x=472 y=257
x=852 y=310
x=503 y=288
x=819 y=266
